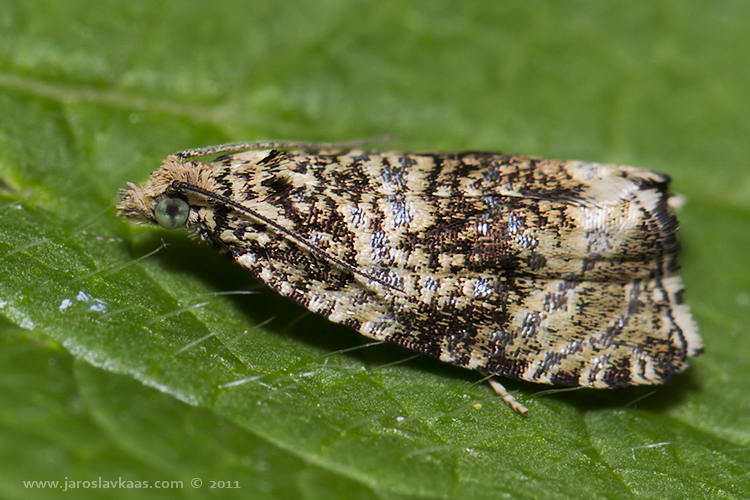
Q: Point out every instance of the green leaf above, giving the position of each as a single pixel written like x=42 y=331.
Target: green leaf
x=137 y=354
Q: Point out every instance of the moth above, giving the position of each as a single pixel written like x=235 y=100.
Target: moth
x=548 y=271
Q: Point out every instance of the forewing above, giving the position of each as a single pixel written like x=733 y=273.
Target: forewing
x=554 y=272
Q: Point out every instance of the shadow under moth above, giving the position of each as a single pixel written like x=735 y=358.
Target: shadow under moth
x=555 y=272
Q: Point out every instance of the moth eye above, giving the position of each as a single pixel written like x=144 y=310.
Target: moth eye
x=171 y=213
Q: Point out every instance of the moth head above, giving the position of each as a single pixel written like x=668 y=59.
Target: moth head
x=137 y=204
x=155 y=202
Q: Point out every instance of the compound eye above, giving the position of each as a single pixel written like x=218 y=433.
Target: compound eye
x=171 y=213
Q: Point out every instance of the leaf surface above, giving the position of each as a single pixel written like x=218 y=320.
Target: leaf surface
x=137 y=353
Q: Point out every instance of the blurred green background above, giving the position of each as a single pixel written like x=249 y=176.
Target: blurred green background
x=132 y=354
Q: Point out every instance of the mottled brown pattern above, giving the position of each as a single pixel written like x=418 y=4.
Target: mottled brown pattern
x=557 y=272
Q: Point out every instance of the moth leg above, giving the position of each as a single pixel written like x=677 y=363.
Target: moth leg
x=509 y=400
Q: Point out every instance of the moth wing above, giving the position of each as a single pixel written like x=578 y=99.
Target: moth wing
x=565 y=292
x=570 y=286
x=552 y=331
